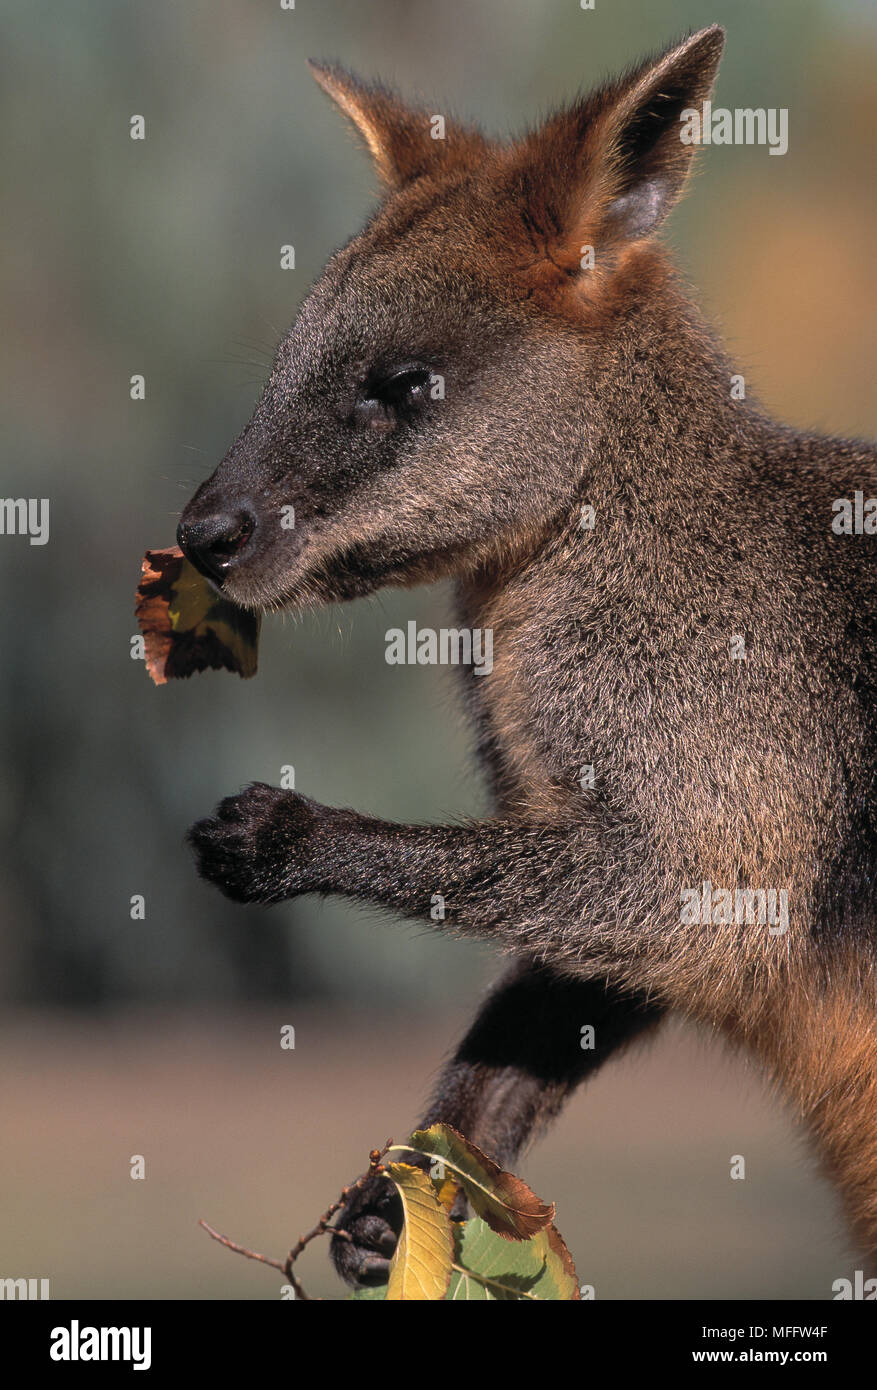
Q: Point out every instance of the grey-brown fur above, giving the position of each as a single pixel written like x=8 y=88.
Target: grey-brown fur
x=751 y=767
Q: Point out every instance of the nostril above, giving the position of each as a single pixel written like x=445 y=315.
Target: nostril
x=211 y=543
x=236 y=539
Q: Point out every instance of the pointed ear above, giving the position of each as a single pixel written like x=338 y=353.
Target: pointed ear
x=610 y=167
x=647 y=160
x=399 y=137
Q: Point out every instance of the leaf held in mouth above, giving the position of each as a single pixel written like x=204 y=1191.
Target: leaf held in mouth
x=187 y=626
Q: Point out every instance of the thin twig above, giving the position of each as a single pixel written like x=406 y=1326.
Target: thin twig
x=375 y=1168
x=241 y=1250
x=262 y=1259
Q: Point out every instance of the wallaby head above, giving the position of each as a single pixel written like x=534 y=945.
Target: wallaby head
x=433 y=403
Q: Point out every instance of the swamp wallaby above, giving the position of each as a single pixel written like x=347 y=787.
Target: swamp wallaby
x=680 y=726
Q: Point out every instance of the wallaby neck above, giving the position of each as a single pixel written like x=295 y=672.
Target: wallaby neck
x=666 y=410
x=659 y=436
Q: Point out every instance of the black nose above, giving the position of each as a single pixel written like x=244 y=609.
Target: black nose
x=213 y=542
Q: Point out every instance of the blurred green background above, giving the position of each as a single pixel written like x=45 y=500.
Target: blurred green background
x=162 y=257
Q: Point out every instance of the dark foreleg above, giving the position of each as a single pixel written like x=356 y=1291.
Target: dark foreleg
x=581 y=895
x=507 y=1081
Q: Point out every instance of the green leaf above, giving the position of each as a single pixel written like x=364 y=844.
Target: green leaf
x=490 y=1269
x=421 y=1266
x=505 y=1202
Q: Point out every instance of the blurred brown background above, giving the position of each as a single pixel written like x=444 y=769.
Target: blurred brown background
x=161 y=1037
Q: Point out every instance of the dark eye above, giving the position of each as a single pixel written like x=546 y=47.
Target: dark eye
x=396 y=395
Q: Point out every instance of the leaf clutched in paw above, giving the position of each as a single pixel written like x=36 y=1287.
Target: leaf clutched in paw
x=505 y=1202
x=187 y=626
x=490 y=1269
x=421 y=1267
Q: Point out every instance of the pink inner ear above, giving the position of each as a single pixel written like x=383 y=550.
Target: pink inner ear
x=637 y=213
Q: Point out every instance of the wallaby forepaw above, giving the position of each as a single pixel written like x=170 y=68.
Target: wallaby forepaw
x=373 y=1219
x=258 y=846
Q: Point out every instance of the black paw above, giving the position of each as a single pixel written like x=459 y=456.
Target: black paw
x=259 y=846
x=373 y=1217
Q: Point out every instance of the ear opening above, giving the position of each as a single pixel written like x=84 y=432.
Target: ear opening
x=607 y=169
